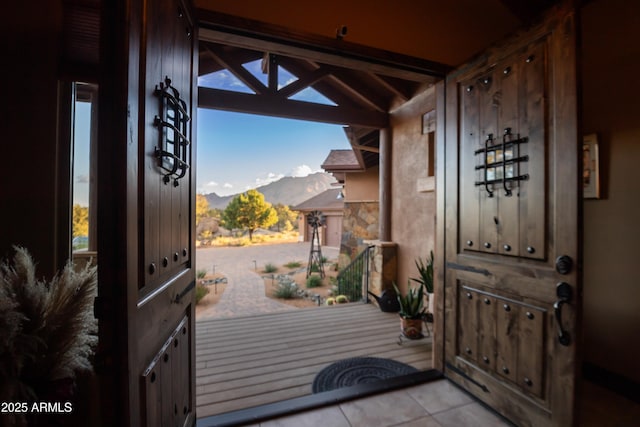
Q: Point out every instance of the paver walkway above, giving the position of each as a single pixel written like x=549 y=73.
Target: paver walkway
x=244 y=294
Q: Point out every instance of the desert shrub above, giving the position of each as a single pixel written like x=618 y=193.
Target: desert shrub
x=314 y=281
x=330 y=301
x=201 y=291
x=342 y=299
x=270 y=268
x=293 y=264
x=285 y=290
x=324 y=259
x=315 y=268
x=200 y=274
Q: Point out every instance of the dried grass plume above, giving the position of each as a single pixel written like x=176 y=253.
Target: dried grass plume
x=48 y=328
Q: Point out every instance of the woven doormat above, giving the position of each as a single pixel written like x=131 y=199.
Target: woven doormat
x=358 y=370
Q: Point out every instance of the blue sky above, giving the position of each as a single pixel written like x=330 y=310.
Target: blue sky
x=237 y=151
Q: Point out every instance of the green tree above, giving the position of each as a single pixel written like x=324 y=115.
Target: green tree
x=286 y=217
x=80 y=220
x=202 y=207
x=249 y=211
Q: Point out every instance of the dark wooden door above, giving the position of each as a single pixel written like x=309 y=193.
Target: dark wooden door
x=146 y=224
x=512 y=226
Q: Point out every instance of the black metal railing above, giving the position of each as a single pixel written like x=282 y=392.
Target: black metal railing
x=353 y=280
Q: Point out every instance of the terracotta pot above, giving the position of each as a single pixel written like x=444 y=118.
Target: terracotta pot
x=411 y=328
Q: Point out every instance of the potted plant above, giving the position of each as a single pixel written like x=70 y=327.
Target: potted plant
x=425 y=269
x=411 y=310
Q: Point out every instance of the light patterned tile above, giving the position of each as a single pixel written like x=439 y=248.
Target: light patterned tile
x=438 y=396
x=383 y=410
x=427 y=421
x=330 y=416
x=471 y=415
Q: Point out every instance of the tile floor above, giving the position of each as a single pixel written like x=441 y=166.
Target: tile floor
x=434 y=404
x=441 y=404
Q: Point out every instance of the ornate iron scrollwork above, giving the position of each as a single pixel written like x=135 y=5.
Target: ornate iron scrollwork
x=172 y=122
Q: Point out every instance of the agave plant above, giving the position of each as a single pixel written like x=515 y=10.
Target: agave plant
x=425 y=268
x=411 y=304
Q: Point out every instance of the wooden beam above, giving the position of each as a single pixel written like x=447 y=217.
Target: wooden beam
x=366 y=148
x=325 y=86
x=350 y=82
x=303 y=82
x=235 y=68
x=396 y=86
x=271 y=105
x=256 y=35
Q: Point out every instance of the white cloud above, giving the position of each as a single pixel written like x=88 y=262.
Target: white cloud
x=271 y=177
x=227 y=185
x=211 y=184
x=301 y=171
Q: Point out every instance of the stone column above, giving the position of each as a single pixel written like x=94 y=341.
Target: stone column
x=383 y=266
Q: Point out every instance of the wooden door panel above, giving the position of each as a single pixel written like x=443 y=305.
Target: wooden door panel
x=511 y=191
x=468 y=313
x=488 y=114
x=532 y=123
x=486 y=332
x=150 y=183
x=507 y=339
x=469 y=195
x=532 y=341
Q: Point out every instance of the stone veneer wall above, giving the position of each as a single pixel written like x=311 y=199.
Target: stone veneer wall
x=383 y=266
x=360 y=223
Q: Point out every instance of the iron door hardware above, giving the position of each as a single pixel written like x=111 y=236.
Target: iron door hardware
x=564 y=264
x=564 y=293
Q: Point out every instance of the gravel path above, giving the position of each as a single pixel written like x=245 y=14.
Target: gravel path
x=244 y=293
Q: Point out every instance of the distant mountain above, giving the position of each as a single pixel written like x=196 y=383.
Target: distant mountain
x=288 y=190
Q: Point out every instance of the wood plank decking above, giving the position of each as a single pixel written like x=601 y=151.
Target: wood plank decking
x=249 y=361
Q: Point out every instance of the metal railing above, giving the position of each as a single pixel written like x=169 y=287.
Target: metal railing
x=353 y=280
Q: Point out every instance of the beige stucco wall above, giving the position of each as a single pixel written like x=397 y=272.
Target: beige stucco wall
x=361 y=186
x=413 y=209
x=611 y=65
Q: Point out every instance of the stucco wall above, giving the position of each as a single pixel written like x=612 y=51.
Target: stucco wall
x=413 y=210
x=361 y=186
x=611 y=65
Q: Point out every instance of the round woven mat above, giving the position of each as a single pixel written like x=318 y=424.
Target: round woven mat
x=358 y=370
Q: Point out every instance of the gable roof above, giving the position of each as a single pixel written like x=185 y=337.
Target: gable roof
x=341 y=161
x=325 y=201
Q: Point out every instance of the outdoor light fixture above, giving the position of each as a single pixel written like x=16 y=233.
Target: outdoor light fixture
x=340 y=195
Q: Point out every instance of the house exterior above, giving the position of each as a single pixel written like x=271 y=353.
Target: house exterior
x=360 y=225
x=331 y=206
x=413 y=212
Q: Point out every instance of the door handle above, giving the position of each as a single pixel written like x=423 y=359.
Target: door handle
x=564 y=293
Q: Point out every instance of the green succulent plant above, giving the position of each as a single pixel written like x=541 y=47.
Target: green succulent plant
x=411 y=304
x=425 y=268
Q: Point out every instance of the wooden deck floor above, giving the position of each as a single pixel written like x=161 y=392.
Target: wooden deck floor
x=250 y=361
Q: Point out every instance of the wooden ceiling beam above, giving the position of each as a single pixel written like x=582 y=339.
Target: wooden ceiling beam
x=352 y=84
x=250 y=34
x=400 y=88
x=270 y=105
x=304 y=81
x=301 y=67
x=366 y=148
x=236 y=68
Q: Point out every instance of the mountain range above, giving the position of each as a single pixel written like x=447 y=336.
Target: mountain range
x=289 y=190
